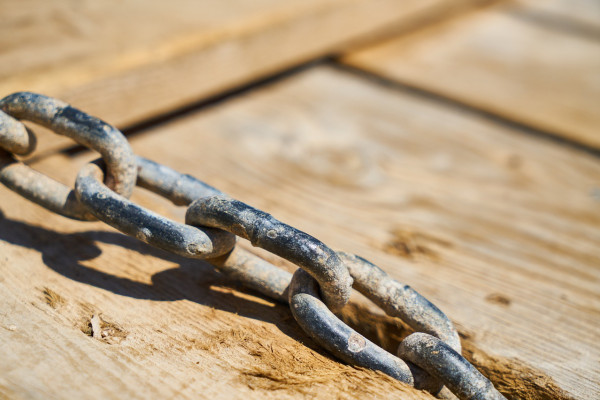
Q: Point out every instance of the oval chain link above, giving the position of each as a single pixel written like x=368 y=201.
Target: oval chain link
x=268 y=233
x=145 y=225
x=65 y=120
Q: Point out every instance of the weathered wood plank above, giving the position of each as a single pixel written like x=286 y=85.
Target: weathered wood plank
x=499 y=229
x=497 y=61
x=128 y=61
x=584 y=13
x=170 y=327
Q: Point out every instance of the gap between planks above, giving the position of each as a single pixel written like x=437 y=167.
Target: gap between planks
x=510 y=60
x=127 y=62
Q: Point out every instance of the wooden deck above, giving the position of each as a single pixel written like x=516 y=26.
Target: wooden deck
x=456 y=145
x=502 y=61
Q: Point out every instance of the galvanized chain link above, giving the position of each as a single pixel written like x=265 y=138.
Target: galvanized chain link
x=427 y=359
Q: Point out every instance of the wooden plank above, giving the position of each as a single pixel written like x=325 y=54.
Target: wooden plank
x=128 y=61
x=497 y=61
x=499 y=229
x=579 y=12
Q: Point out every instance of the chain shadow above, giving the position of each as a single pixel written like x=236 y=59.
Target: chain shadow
x=193 y=280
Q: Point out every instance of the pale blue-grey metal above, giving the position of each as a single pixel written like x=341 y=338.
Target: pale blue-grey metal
x=84 y=129
x=265 y=231
x=147 y=226
x=446 y=364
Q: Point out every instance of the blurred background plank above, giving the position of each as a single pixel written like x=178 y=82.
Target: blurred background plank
x=128 y=61
x=498 y=228
x=508 y=62
x=582 y=13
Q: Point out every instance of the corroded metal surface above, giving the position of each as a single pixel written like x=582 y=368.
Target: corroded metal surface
x=443 y=362
x=145 y=225
x=212 y=221
x=266 y=232
x=40 y=188
x=15 y=137
x=400 y=300
x=337 y=337
x=438 y=363
x=77 y=125
x=181 y=189
x=185 y=240
x=255 y=273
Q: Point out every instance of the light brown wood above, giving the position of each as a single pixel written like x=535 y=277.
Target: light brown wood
x=503 y=62
x=584 y=13
x=127 y=61
x=499 y=229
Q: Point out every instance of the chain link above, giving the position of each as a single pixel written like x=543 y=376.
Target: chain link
x=427 y=359
x=147 y=226
x=65 y=120
x=268 y=233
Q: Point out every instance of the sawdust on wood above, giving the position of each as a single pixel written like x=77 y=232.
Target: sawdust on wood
x=95 y=326
x=386 y=331
x=52 y=298
x=105 y=331
x=513 y=378
x=292 y=367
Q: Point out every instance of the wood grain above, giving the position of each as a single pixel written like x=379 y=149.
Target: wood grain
x=499 y=229
x=502 y=61
x=127 y=61
x=584 y=13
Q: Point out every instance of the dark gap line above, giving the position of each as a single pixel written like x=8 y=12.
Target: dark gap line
x=443 y=14
x=207 y=103
x=463 y=107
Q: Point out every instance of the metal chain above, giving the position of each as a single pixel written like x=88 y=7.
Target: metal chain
x=64 y=120
x=427 y=359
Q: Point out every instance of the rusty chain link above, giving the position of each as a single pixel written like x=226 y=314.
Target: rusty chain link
x=426 y=359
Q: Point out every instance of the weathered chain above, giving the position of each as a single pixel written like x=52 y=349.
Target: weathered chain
x=427 y=359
